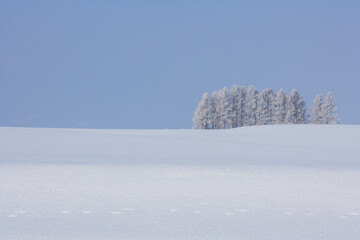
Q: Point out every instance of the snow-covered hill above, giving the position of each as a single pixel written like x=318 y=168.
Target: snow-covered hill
x=266 y=182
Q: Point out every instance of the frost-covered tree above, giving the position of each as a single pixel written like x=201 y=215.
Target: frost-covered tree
x=214 y=116
x=296 y=113
x=242 y=105
x=202 y=113
x=266 y=107
x=251 y=108
x=302 y=116
x=224 y=109
x=280 y=107
x=246 y=107
x=330 y=110
x=237 y=105
x=317 y=114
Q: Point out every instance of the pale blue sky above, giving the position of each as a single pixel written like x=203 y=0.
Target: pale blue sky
x=146 y=64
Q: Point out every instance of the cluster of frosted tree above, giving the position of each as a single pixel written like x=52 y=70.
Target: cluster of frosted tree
x=324 y=112
x=246 y=107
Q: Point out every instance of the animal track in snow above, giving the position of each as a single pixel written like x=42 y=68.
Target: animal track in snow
x=241 y=210
x=229 y=214
x=287 y=213
x=128 y=209
x=20 y=212
x=116 y=213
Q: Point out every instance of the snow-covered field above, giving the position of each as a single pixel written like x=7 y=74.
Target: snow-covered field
x=268 y=182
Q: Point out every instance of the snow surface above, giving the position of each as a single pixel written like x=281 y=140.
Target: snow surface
x=265 y=182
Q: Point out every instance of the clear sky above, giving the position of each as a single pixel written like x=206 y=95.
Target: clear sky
x=146 y=64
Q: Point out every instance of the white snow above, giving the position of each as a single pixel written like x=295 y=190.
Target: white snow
x=264 y=182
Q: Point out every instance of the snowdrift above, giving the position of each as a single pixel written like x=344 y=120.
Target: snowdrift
x=282 y=144
x=266 y=182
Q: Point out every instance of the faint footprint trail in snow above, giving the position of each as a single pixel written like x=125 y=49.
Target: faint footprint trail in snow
x=241 y=210
x=115 y=212
x=21 y=212
x=128 y=209
x=287 y=213
x=229 y=214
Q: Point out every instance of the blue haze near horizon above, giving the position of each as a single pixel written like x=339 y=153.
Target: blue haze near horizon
x=136 y=64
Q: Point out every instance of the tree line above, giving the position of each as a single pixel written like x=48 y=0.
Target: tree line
x=247 y=107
